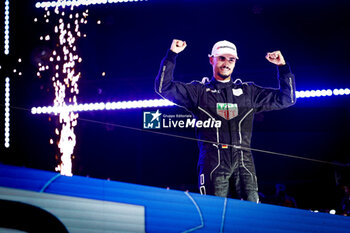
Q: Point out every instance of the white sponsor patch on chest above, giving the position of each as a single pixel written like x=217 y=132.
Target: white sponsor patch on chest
x=237 y=92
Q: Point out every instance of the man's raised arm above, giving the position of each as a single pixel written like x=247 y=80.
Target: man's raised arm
x=266 y=99
x=183 y=94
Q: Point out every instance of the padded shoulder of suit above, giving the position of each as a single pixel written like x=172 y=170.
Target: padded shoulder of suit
x=197 y=82
x=204 y=82
x=239 y=82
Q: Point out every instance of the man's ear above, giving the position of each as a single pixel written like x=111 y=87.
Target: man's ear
x=211 y=60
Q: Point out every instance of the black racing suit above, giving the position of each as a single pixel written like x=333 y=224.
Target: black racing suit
x=234 y=104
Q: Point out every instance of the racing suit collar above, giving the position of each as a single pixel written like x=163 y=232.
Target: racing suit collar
x=220 y=85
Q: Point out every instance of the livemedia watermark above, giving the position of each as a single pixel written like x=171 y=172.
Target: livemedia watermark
x=157 y=120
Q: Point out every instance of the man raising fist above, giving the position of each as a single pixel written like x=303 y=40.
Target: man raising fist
x=224 y=159
x=178 y=46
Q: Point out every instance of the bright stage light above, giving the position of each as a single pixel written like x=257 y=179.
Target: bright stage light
x=7 y=28
x=153 y=103
x=103 y=106
x=321 y=93
x=345 y=91
x=80 y=2
x=332 y=211
x=7 y=112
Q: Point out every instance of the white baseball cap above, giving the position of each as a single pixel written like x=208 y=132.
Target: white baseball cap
x=224 y=47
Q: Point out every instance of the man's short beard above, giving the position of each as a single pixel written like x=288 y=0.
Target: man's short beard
x=224 y=76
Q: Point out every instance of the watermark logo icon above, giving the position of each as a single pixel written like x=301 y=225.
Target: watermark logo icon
x=152 y=120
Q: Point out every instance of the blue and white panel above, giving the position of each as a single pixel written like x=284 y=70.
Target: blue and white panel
x=81 y=215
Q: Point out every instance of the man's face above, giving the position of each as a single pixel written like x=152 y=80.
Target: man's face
x=223 y=66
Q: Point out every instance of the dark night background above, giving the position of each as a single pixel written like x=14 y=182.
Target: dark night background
x=129 y=44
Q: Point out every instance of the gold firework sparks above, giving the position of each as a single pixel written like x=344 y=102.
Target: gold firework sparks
x=63 y=61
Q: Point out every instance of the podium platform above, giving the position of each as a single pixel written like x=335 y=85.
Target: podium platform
x=42 y=201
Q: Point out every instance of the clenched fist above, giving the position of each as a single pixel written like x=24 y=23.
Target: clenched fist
x=178 y=46
x=275 y=58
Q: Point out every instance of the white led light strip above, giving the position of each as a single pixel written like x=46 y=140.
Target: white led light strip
x=322 y=93
x=104 y=106
x=7 y=28
x=7 y=112
x=160 y=103
x=80 y=2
